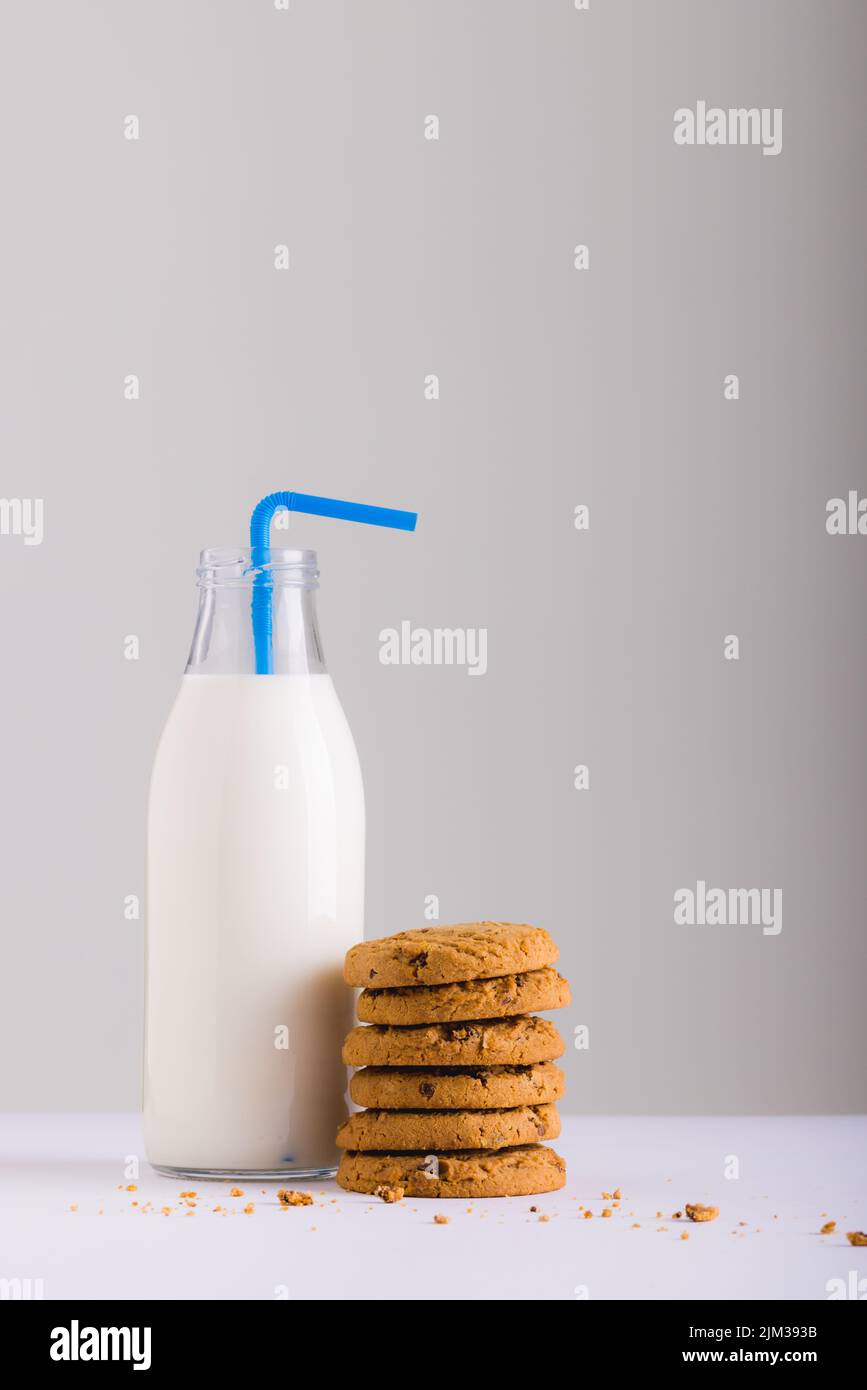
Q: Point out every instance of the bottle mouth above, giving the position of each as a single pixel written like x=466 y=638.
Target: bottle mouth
x=231 y=567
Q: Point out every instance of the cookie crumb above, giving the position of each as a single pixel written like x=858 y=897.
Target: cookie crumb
x=249 y=1209
x=233 y=1192
x=440 y=1220
x=856 y=1237
x=131 y=1187
x=288 y=1198
x=616 y=1194
x=684 y=1235
x=192 y=1194
x=544 y=1217
x=636 y=1226
x=676 y=1215
x=828 y=1229
x=386 y=1193
x=74 y=1206
x=166 y=1211
x=606 y=1211
x=697 y=1212
x=587 y=1215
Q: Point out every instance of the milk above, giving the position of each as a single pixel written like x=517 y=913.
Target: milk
x=255 y=886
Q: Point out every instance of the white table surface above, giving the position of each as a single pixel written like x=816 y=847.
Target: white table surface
x=792 y=1172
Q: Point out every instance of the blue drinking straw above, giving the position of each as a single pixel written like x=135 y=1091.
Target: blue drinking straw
x=260 y=550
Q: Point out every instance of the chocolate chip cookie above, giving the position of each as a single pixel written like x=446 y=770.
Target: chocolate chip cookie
x=517 y=1172
x=398 y=1130
x=456 y=1088
x=489 y=1042
x=500 y=997
x=443 y=955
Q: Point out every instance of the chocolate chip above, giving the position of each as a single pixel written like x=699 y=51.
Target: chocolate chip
x=426 y=1089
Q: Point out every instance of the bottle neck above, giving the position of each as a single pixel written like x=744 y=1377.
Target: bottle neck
x=223 y=637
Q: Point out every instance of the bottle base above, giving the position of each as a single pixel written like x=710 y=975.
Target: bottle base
x=242 y=1174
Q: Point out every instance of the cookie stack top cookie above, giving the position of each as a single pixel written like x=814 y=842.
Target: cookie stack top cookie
x=448 y=955
x=456 y=1070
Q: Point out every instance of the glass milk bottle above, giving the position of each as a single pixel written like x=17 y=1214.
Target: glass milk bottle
x=255 y=889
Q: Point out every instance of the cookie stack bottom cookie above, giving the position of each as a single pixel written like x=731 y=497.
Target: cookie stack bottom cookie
x=457 y=1078
x=517 y=1172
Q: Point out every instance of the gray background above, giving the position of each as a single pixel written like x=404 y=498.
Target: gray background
x=557 y=387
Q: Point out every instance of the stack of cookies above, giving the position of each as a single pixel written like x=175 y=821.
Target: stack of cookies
x=457 y=1075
